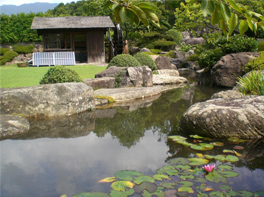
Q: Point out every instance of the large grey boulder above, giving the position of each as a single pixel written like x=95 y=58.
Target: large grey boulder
x=129 y=77
x=163 y=62
x=105 y=82
x=166 y=79
x=47 y=100
x=12 y=125
x=194 y=41
x=168 y=72
x=230 y=67
x=243 y=117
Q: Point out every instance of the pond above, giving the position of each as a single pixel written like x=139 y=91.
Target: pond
x=70 y=155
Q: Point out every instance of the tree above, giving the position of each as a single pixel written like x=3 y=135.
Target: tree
x=134 y=12
x=226 y=13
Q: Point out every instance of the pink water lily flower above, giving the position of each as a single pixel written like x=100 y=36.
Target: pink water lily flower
x=208 y=168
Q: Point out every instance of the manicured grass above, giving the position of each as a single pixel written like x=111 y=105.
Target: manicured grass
x=13 y=76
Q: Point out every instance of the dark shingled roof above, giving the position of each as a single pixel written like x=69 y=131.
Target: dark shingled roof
x=72 y=22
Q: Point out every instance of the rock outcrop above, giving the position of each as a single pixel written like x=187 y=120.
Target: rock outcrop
x=221 y=118
x=163 y=62
x=105 y=82
x=230 y=67
x=166 y=79
x=13 y=125
x=129 y=77
x=49 y=100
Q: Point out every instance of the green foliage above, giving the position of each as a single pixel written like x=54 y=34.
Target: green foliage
x=176 y=35
x=164 y=44
x=155 y=51
x=24 y=49
x=261 y=46
x=193 y=57
x=256 y=63
x=124 y=60
x=148 y=53
x=252 y=83
x=210 y=57
x=146 y=60
x=3 y=50
x=7 y=57
x=60 y=74
x=170 y=54
x=185 y=47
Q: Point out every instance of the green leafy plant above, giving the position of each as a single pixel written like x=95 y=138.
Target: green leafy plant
x=60 y=74
x=261 y=46
x=118 y=78
x=7 y=57
x=210 y=58
x=252 y=83
x=256 y=63
x=155 y=51
x=176 y=35
x=185 y=47
x=3 y=50
x=23 y=49
x=146 y=60
x=170 y=54
x=124 y=60
x=193 y=57
x=164 y=44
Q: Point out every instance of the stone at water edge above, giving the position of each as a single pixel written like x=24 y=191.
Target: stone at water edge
x=223 y=118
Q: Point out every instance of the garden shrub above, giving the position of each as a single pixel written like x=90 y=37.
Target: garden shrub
x=164 y=44
x=210 y=57
x=148 y=53
x=24 y=49
x=155 y=51
x=256 y=63
x=176 y=35
x=252 y=83
x=170 y=54
x=146 y=60
x=261 y=46
x=60 y=74
x=185 y=47
x=7 y=57
x=3 y=50
x=124 y=60
x=193 y=57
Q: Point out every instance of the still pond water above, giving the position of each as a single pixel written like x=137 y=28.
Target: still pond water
x=70 y=155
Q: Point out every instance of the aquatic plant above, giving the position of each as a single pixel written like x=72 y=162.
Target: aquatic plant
x=208 y=168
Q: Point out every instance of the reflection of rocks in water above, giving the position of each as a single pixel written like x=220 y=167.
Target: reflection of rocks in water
x=105 y=113
x=62 y=127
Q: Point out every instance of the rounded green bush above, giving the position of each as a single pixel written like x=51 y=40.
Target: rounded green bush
x=3 y=50
x=60 y=74
x=23 y=49
x=210 y=57
x=124 y=60
x=8 y=56
x=146 y=60
x=261 y=46
x=176 y=35
x=193 y=57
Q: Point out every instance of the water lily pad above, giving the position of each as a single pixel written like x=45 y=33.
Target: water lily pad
x=92 y=194
x=168 y=167
x=201 y=187
x=200 y=180
x=221 y=158
x=159 y=193
x=183 y=167
x=229 y=174
x=225 y=187
x=177 y=138
x=185 y=177
x=236 y=140
x=216 y=194
x=245 y=193
x=259 y=193
x=121 y=185
x=115 y=193
x=183 y=142
x=217 y=143
x=172 y=172
x=232 y=158
x=209 y=156
x=224 y=167
x=215 y=177
x=231 y=193
x=179 y=160
x=150 y=187
x=186 y=183
x=141 y=179
x=198 y=161
x=107 y=180
x=186 y=189
x=168 y=185
x=160 y=177
x=200 y=155
x=196 y=136
x=202 y=146
x=127 y=175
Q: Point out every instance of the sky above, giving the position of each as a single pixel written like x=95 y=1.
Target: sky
x=19 y=2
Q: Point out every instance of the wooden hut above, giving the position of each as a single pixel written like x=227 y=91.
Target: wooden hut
x=83 y=35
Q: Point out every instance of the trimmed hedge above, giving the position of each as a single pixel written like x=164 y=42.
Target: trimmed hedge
x=60 y=74
x=124 y=60
x=3 y=50
x=8 y=57
x=146 y=60
x=24 y=49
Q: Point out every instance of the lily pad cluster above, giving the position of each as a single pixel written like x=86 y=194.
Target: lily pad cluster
x=182 y=176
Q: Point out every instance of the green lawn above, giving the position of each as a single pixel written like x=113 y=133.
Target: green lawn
x=13 y=76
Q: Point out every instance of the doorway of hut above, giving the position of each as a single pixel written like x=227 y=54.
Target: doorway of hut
x=79 y=47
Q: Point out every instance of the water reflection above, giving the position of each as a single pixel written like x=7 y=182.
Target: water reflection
x=70 y=155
